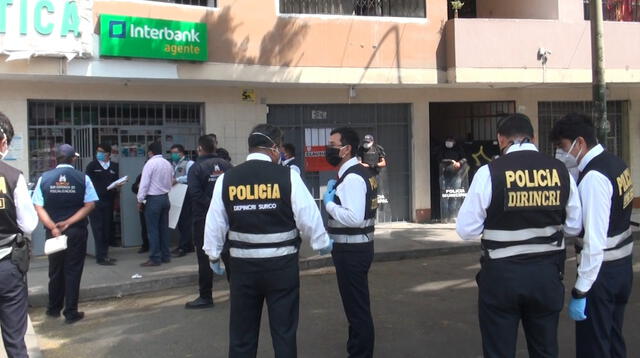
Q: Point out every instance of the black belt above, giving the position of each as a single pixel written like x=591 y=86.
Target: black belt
x=494 y=245
x=264 y=245
x=351 y=230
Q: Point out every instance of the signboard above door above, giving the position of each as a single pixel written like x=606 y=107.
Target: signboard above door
x=129 y=36
x=54 y=28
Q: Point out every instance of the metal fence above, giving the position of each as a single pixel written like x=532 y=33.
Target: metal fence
x=616 y=10
x=396 y=8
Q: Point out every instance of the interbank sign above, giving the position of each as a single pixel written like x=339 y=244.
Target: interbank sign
x=128 y=36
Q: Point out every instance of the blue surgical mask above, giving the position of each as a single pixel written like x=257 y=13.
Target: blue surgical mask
x=101 y=156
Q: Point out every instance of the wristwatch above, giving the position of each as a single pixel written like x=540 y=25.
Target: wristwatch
x=577 y=294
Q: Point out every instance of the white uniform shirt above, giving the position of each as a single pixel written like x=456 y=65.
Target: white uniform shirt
x=26 y=215
x=596 y=192
x=473 y=212
x=305 y=212
x=352 y=193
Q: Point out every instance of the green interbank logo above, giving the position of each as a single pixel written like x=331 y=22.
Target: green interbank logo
x=129 y=36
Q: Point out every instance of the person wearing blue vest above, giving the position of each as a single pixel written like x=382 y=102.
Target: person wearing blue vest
x=605 y=267
x=63 y=198
x=351 y=203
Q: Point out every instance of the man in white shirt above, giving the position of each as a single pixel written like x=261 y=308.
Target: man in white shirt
x=605 y=271
x=520 y=204
x=265 y=209
x=17 y=217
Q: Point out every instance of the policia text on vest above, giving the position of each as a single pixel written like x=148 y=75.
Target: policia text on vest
x=537 y=188
x=243 y=193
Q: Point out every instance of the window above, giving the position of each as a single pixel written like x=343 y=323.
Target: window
x=208 y=3
x=550 y=112
x=395 y=8
x=616 y=10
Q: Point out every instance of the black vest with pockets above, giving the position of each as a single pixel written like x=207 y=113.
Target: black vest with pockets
x=371 y=202
x=63 y=191
x=530 y=190
x=8 y=215
x=618 y=173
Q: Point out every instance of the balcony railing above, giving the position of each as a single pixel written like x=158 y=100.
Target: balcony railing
x=616 y=10
x=395 y=8
x=207 y=3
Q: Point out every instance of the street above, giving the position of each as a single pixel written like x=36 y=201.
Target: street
x=422 y=308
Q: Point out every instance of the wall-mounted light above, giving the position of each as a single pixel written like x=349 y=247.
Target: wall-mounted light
x=352 y=92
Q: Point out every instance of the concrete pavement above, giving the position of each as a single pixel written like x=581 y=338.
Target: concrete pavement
x=422 y=308
x=394 y=241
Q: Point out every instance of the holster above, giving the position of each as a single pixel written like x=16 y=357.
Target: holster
x=21 y=253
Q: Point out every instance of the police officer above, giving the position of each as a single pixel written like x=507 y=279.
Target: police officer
x=288 y=157
x=102 y=172
x=372 y=155
x=265 y=208
x=181 y=166
x=605 y=270
x=202 y=179
x=520 y=204
x=17 y=218
x=63 y=198
x=351 y=203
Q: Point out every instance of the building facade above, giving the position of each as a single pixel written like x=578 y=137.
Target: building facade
x=409 y=72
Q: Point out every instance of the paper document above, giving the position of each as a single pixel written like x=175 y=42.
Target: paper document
x=118 y=182
x=55 y=244
x=176 y=197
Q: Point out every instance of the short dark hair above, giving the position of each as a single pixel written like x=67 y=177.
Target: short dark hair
x=155 y=148
x=348 y=136
x=289 y=149
x=264 y=135
x=6 y=127
x=104 y=146
x=207 y=143
x=572 y=126
x=224 y=154
x=179 y=147
x=515 y=125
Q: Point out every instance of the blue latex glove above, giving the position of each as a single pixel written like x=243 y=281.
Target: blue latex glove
x=326 y=250
x=329 y=195
x=331 y=184
x=217 y=269
x=577 y=307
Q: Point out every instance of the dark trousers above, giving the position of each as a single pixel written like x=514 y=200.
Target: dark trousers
x=102 y=227
x=156 y=212
x=143 y=230
x=13 y=309
x=600 y=335
x=520 y=289
x=185 y=226
x=205 y=274
x=65 y=271
x=249 y=289
x=352 y=263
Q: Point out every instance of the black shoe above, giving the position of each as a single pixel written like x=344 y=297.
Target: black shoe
x=111 y=259
x=150 y=263
x=179 y=253
x=74 y=317
x=176 y=250
x=142 y=250
x=199 y=303
x=166 y=261
x=53 y=313
x=105 y=262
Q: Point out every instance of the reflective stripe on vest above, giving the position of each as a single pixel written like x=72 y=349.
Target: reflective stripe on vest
x=336 y=228
x=617 y=247
x=519 y=235
x=351 y=239
x=524 y=249
x=245 y=245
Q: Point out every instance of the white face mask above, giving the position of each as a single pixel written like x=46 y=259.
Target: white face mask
x=449 y=144
x=567 y=158
x=368 y=145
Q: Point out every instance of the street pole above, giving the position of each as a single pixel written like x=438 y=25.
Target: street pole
x=599 y=107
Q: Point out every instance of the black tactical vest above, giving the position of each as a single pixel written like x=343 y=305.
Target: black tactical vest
x=8 y=216
x=371 y=207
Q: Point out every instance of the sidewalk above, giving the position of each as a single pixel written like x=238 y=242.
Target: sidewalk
x=395 y=241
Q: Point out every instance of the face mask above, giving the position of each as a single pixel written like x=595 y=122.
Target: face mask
x=175 y=157
x=332 y=154
x=282 y=157
x=449 y=144
x=101 y=156
x=567 y=158
x=368 y=145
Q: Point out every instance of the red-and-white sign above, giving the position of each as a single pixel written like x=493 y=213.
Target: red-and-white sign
x=315 y=142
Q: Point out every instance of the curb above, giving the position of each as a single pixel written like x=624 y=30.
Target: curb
x=118 y=290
